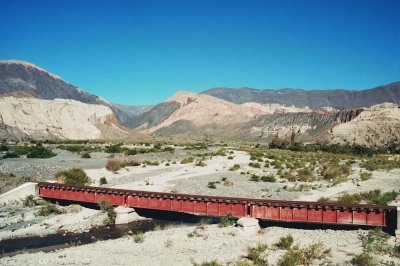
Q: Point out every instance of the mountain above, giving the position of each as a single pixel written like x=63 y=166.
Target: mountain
x=198 y=116
x=195 y=115
x=315 y=99
x=35 y=103
x=32 y=118
x=23 y=79
x=133 y=110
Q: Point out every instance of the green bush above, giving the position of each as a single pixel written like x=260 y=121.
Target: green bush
x=225 y=222
x=235 y=167
x=347 y=198
x=364 y=259
x=285 y=242
x=211 y=185
x=73 y=176
x=86 y=155
x=268 y=178
x=10 y=155
x=293 y=257
x=47 y=209
x=207 y=263
x=131 y=152
x=187 y=160
x=365 y=176
x=40 y=152
x=107 y=207
x=376 y=241
x=255 y=254
x=3 y=147
x=138 y=237
x=29 y=201
x=377 y=197
x=114 y=149
x=103 y=181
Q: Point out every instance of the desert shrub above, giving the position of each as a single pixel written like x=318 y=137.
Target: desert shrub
x=200 y=163
x=255 y=165
x=313 y=252
x=21 y=150
x=293 y=257
x=40 y=152
x=235 y=167
x=278 y=143
x=268 y=178
x=285 y=242
x=134 y=162
x=376 y=241
x=305 y=174
x=335 y=172
x=220 y=152
x=347 y=198
x=363 y=259
x=29 y=201
x=10 y=155
x=47 y=209
x=169 y=149
x=113 y=165
x=255 y=254
x=138 y=237
x=74 y=176
x=225 y=222
x=211 y=185
x=381 y=162
x=150 y=163
x=103 y=181
x=207 y=263
x=86 y=155
x=107 y=207
x=114 y=149
x=324 y=199
x=187 y=160
x=230 y=157
x=365 y=176
x=116 y=164
x=131 y=152
x=254 y=178
x=3 y=147
x=377 y=197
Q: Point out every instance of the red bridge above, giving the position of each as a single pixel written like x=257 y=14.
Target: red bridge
x=271 y=210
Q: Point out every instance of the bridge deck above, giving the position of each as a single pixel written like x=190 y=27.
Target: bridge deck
x=275 y=210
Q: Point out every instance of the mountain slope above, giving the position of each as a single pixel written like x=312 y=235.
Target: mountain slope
x=314 y=99
x=34 y=118
x=23 y=79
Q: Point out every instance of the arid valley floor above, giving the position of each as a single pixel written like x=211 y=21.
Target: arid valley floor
x=217 y=169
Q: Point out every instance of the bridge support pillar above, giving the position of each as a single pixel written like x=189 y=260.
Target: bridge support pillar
x=248 y=226
x=125 y=215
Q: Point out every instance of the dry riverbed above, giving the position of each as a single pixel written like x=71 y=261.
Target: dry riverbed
x=180 y=245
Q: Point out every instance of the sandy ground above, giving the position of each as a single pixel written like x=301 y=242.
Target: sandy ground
x=173 y=246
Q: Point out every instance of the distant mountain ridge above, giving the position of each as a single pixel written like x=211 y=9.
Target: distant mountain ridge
x=314 y=99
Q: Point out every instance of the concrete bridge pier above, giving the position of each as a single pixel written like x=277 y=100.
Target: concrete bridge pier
x=125 y=215
x=248 y=226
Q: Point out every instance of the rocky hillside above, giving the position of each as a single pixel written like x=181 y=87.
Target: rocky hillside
x=23 y=118
x=376 y=126
x=23 y=79
x=314 y=99
x=189 y=112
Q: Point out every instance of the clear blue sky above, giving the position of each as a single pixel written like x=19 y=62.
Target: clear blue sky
x=141 y=52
